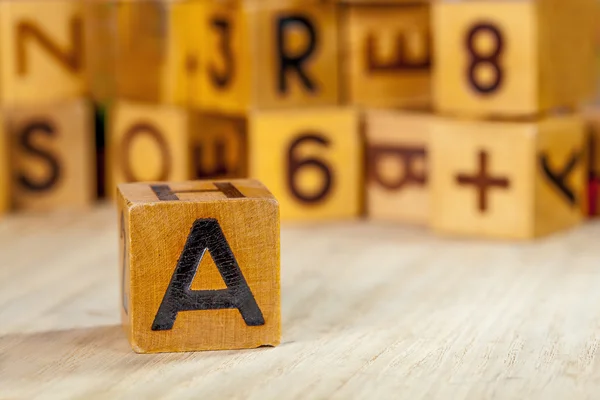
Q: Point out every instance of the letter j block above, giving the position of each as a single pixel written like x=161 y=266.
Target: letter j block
x=199 y=265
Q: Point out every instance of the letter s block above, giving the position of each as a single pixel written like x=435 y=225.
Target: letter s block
x=512 y=58
x=514 y=180
x=42 y=51
x=52 y=155
x=311 y=159
x=199 y=265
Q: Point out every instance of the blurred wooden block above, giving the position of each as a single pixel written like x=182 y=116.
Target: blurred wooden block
x=514 y=180
x=211 y=279
x=387 y=54
x=515 y=58
x=592 y=116
x=311 y=160
x=397 y=165
x=147 y=142
x=53 y=155
x=5 y=166
x=157 y=48
x=262 y=55
x=41 y=47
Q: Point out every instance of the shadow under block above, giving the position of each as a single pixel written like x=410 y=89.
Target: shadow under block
x=263 y=55
x=149 y=142
x=199 y=265
x=42 y=51
x=397 y=186
x=386 y=52
x=311 y=160
x=52 y=151
x=517 y=58
x=508 y=180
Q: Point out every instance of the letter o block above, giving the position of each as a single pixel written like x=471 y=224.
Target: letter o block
x=199 y=265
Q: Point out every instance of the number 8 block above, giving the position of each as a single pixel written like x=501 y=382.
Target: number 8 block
x=310 y=159
x=510 y=59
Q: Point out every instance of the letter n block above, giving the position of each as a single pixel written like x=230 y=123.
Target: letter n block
x=42 y=51
x=386 y=50
x=397 y=165
x=199 y=265
x=266 y=54
x=311 y=159
x=52 y=151
x=514 y=180
x=513 y=58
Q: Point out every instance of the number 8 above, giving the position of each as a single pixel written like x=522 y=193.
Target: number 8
x=492 y=59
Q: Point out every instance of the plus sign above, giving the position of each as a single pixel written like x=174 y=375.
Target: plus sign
x=482 y=181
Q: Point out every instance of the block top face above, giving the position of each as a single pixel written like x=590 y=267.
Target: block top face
x=194 y=191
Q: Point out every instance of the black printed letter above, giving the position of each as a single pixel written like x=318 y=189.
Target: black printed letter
x=294 y=62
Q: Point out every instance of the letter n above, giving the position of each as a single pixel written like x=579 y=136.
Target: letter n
x=206 y=234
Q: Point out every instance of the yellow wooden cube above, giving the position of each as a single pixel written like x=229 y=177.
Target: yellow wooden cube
x=42 y=51
x=52 y=152
x=5 y=177
x=508 y=179
x=512 y=58
x=261 y=54
x=592 y=115
x=311 y=159
x=397 y=165
x=386 y=53
x=199 y=265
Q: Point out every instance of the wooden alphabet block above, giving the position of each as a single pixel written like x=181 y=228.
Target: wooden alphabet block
x=262 y=55
x=512 y=58
x=52 y=155
x=157 y=49
x=4 y=172
x=147 y=142
x=387 y=53
x=41 y=47
x=512 y=180
x=397 y=165
x=592 y=116
x=311 y=160
x=199 y=265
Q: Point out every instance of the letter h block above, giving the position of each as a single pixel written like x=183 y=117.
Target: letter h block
x=513 y=58
x=514 y=180
x=199 y=265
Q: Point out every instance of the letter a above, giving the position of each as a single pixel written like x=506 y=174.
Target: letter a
x=206 y=234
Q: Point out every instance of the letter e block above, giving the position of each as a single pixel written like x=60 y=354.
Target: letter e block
x=397 y=165
x=311 y=160
x=200 y=265
x=42 y=51
x=515 y=180
x=52 y=155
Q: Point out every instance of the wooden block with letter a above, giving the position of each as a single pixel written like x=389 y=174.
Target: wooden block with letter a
x=52 y=150
x=41 y=47
x=311 y=159
x=264 y=54
x=514 y=180
x=199 y=265
x=592 y=115
x=387 y=52
x=397 y=165
x=512 y=58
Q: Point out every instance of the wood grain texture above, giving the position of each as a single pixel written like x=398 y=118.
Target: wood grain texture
x=512 y=180
x=369 y=311
x=52 y=152
x=200 y=264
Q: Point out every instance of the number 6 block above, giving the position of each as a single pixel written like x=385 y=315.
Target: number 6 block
x=199 y=265
x=514 y=58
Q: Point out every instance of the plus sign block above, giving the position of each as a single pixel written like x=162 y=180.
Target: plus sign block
x=512 y=58
x=513 y=180
x=42 y=51
x=266 y=54
x=52 y=155
x=397 y=163
x=199 y=265
x=386 y=52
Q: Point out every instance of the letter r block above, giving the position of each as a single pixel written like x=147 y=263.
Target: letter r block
x=514 y=180
x=199 y=265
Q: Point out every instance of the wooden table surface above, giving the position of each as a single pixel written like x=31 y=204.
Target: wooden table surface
x=370 y=311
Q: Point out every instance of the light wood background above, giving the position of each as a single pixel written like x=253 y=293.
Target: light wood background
x=370 y=311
